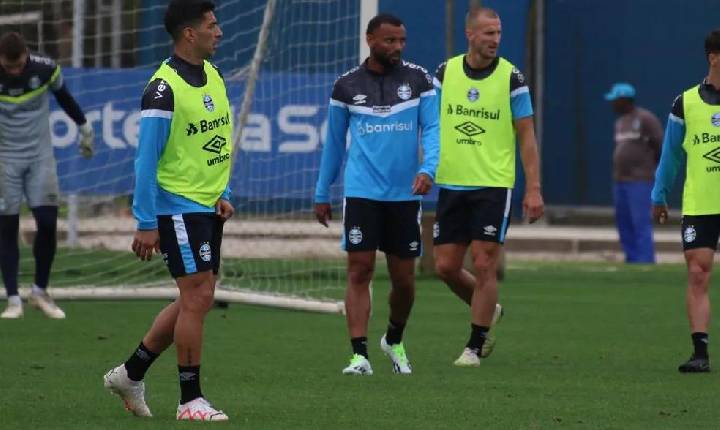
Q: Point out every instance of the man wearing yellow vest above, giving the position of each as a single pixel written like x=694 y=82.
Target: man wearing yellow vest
x=181 y=201
x=693 y=127
x=484 y=105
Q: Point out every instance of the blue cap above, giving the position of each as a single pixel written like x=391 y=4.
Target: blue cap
x=620 y=90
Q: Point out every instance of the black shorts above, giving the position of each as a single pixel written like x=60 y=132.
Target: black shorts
x=466 y=215
x=392 y=227
x=190 y=242
x=700 y=231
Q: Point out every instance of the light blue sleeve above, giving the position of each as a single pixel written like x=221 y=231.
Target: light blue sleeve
x=333 y=151
x=671 y=158
x=227 y=194
x=430 y=138
x=520 y=103
x=154 y=133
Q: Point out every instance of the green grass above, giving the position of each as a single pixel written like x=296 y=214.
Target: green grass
x=583 y=346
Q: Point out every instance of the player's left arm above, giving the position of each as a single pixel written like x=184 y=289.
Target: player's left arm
x=71 y=107
x=429 y=121
x=522 y=112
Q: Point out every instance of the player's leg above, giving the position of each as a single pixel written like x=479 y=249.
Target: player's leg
x=623 y=220
x=490 y=208
x=198 y=238
x=640 y=207
x=402 y=243
x=11 y=174
x=41 y=189
x=451 y=237
x=700 y=235
x=360 y=240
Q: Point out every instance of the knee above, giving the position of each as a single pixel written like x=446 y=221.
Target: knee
x=447 y=270
x=404 y=283
x=199 y=299
x=46 y=218
x=360 y=274
x=484 y=265
x=698 y=276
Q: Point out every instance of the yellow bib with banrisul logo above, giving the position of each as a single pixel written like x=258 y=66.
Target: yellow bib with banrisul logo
x=196 y=160
x=701 y=195
x=477 y=137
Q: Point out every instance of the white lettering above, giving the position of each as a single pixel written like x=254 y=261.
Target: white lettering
x=311 y=141
x=131 y=128
x=59 y=117
x=257 y=134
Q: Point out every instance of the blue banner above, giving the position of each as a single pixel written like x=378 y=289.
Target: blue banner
x=279 y=151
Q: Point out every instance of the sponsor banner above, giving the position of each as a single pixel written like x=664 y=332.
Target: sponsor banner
x=279 y=151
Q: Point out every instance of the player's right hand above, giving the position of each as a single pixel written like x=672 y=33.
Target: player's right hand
x=660 y=213
x=145 y=242
x=323 y=213
x=87 y=140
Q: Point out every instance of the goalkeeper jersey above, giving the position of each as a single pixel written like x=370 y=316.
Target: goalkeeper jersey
x=24 y=109
x=387 y=116
x=158 y=105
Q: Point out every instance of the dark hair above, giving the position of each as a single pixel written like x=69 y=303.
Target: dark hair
x=383 y=18
x=712 y=42
x=12 y=46
x=474 y=12
x=184 y=13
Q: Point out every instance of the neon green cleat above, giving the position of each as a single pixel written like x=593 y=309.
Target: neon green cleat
x=489 y=344
x=359 y=365
x=397 y=355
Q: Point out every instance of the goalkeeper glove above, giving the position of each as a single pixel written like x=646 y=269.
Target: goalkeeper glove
x=87 y=140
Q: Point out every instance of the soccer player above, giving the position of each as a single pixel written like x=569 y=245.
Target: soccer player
x=181 y=201
x=385 y=103
x=27 y=165
x=693 y=134
x=484 y=105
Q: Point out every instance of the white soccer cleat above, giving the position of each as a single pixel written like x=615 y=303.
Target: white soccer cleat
x=359 y=365
x=46 y=304
x=200 y=410
x=490 y=339
x=12 y=311
x=468 y=358
x=397 y=355
x=131 y=392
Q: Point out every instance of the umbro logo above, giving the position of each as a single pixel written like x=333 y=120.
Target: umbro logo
x=469 y=129
x=191 y=130
x=215 y=144
x=713 y=155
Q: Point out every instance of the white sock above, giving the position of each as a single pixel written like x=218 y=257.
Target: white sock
x=14 y=300
x=37 y=291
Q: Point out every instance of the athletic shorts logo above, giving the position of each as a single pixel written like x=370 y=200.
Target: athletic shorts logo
x=208 y=102
x=436 y=230
x=414 y=245
x=404 y=92
x=205 y=254
x=355 y=235
x=690 y=234
x=359 y=99
x=473 y=94
x=165 y=258
x=715 y=119
x=490 y=230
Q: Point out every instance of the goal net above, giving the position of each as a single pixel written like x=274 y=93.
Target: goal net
x=274 y=252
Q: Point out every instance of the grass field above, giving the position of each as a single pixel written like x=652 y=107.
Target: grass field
x=586 y=346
